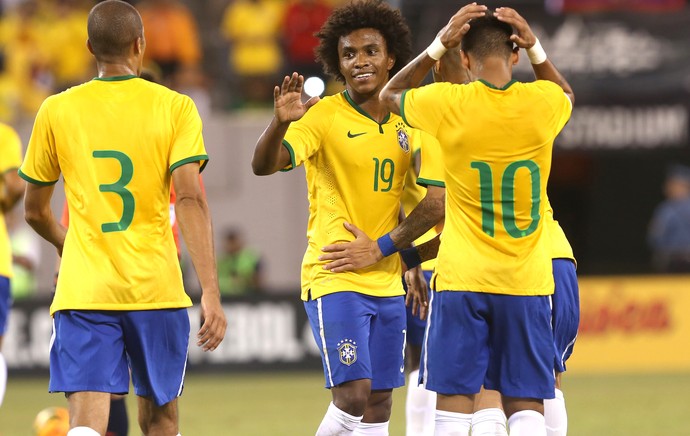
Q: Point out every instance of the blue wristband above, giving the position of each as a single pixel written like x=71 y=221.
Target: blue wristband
x=386 y=245
x=411 y=257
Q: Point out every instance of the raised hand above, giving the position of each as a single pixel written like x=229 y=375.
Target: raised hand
x=287 y=99
x=524 y=38
x=457 y=27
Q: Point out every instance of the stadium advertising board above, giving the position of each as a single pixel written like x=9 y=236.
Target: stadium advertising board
x=628 y=324
x=633 y=325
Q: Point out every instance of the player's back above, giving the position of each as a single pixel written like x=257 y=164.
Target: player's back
x=116 y=142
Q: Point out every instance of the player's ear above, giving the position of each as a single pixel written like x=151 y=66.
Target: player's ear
x=391 y=62
x=88 y=45
x=515 y=56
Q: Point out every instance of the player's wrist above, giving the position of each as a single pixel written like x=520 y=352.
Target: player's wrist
x=536 y=53
x=436 y=49
x=410 y=256
x=386 y=245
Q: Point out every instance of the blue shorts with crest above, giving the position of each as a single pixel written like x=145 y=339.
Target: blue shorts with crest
x=360 y=337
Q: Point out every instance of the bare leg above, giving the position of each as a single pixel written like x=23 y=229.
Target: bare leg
x=89 y=409
x=158 y=420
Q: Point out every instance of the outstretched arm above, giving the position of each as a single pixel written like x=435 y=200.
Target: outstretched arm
x=270 y=155
x=414 y=72
x=194 y=219
x=543 y=68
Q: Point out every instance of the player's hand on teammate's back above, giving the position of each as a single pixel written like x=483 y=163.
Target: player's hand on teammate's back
x=350 y=256
x=287 y=99
x=417 y=292
x=524 y=37
x=213 y=323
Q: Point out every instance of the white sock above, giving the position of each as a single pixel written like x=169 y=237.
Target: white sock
x=83 y=431
x=489 y=422
x=452 y=423
x=420 y=408
x=3 y=377
x=337 y=423
x=527 y=423
x=371 y=429
x=556 y=416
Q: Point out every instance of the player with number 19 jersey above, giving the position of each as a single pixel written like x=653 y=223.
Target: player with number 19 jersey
x=119 y=252
x=495 y=192
x=355 y=169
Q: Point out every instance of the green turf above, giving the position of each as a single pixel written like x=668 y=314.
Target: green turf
x=293 y=404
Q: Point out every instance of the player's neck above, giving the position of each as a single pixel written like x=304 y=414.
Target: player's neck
x=106 y=69
x=495 y=71
x=370 y=104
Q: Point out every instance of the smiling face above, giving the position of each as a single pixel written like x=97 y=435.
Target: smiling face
x=364 y=61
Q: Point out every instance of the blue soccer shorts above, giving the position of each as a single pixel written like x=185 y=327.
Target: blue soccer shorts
x=95 y=350
x=415 y=325
x=5 y=303
x=566 y=310
x=503 y=342
x=360 y=337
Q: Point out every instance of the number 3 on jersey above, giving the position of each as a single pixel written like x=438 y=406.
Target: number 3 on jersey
x=119 y=189
x=507 y=188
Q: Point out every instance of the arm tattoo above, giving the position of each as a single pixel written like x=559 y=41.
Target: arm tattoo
x=429 y=212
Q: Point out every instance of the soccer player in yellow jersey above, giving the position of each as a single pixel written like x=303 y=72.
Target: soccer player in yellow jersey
x=490 y=317
x=494 y=270
x=119 y=141
x=11 y=189
x=355 y=155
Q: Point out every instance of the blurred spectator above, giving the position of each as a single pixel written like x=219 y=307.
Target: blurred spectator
x=669 y=230
x=252 y=28
x=23 y=41
x=239 y=267
x=26 y=255
x=172 y=40
x=303 y=18
x=63 y=44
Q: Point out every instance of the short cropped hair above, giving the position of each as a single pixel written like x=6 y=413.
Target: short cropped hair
x=488 y=36
x=374 y=14
x=112 y=27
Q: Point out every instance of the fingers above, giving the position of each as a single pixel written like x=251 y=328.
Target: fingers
x=211 y=333
x=340 y=265
x=293 y=83
x=333 y=248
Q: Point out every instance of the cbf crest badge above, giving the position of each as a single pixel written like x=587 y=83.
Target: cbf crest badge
x=403 y=139
x=347 y=350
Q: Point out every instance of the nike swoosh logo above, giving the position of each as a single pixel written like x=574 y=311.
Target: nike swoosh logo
x=354 y=135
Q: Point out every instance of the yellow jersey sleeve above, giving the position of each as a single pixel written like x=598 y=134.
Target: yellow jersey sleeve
x=41 y=164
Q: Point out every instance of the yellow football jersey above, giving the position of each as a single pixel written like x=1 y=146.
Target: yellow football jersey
x=10 y=159
x=496 y=147
x=116 y=142
x=415 y=191
x=355 y=170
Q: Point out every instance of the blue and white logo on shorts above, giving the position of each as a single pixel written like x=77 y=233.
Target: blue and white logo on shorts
x=347 y=350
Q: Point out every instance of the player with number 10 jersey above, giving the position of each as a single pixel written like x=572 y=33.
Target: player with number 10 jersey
x=119 y=252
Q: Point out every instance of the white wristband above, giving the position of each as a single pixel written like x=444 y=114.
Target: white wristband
x=436 y=50
x=536 y=54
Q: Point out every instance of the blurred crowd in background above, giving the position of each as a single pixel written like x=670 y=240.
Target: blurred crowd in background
x=228 y=54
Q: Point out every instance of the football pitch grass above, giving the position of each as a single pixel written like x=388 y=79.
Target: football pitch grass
x=293 y=403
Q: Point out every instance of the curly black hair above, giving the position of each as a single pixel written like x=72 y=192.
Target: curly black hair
x=374 y=14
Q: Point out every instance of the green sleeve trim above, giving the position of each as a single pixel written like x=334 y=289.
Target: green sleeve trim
x=292 y=156
x=201 y=157
x=429 y=182
x=402 y=107
x=34 y=181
